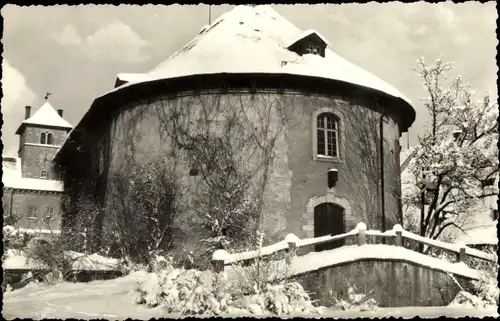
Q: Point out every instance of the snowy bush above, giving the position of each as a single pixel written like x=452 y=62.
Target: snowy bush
x=182 y=292
x=354 y=301
x=483 y=293
x=143 y=204
x=193 y=292
x=486 y=289
x=53 y=255
x=14 y=238
x=281 y=299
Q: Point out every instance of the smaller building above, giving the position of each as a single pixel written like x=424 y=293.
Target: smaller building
x=32 y=190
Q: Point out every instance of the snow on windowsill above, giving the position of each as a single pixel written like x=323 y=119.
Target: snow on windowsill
x=324 y=158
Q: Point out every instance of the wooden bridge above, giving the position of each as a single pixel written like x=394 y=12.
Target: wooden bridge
x=383 y=260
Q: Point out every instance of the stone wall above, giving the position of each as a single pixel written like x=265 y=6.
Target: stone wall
x=30 y=149
x=391 y=283
x=298 y=179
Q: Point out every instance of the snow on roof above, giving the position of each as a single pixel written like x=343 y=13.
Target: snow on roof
x=307 y=33
x=47 y=116
x=480 y=235
x=204 y=28
x=129 y=77
x=12 y=178
x=254 y=40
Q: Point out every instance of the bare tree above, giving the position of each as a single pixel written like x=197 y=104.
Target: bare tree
x=363 y=173
x=228 y=142
x=142 y=208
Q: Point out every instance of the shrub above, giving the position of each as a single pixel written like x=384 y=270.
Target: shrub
x=483 y=293
x=53 y=255
x=193 y=292
x=141 y=211
x=354 y=301
x=15 y=239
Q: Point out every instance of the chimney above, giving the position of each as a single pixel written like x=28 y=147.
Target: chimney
x=60 y=112
x=27 y=112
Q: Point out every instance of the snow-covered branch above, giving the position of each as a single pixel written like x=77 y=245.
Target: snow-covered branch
x=458 y=154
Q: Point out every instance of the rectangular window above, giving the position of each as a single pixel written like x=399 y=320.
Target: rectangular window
x=332 y=143
x=49 y=215
x=43 y=174
x=32 y=212
x=321 y=142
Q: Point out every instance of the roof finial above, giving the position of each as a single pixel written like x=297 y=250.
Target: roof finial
x=47 y=95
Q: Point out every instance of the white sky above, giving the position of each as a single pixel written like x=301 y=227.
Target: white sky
x=75 y=52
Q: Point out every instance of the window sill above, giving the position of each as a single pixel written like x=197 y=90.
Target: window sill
x=328 y=159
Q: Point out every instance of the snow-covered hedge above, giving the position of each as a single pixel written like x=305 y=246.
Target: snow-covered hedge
x=193 y=292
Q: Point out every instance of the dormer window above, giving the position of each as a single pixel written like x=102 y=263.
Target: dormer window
x=309 y=42
x=313 y=49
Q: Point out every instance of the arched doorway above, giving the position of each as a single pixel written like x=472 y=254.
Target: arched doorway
x=328 y=220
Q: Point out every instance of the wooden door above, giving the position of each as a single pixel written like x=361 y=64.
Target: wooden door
x=328 y=220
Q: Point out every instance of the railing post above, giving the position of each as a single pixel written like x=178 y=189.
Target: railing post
x=291 y=239
x=218 y=260
x=361 y=238
x=461 y=253
x=218 y=265
x=399 y=234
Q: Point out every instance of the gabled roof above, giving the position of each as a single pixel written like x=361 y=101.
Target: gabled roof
x=45 y=116
x=12 y=178
x=306 y=34
x=255 y=40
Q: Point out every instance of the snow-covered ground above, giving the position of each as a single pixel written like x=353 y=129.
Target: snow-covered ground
x=114 y=299
x=17 y=260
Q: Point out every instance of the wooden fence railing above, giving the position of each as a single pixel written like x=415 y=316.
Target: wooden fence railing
x=397 y=235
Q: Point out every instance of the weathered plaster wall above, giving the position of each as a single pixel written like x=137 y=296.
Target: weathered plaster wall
x=297 y=181
x=391 y=283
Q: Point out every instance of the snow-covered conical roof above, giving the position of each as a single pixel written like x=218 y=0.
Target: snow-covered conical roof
x=45 y=116
x=247 y=40
x=254 y=39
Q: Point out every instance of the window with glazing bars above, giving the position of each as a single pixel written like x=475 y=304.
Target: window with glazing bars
x=327 y=135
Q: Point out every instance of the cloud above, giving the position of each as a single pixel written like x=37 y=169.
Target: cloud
x=16 y=95
x=115 y=42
